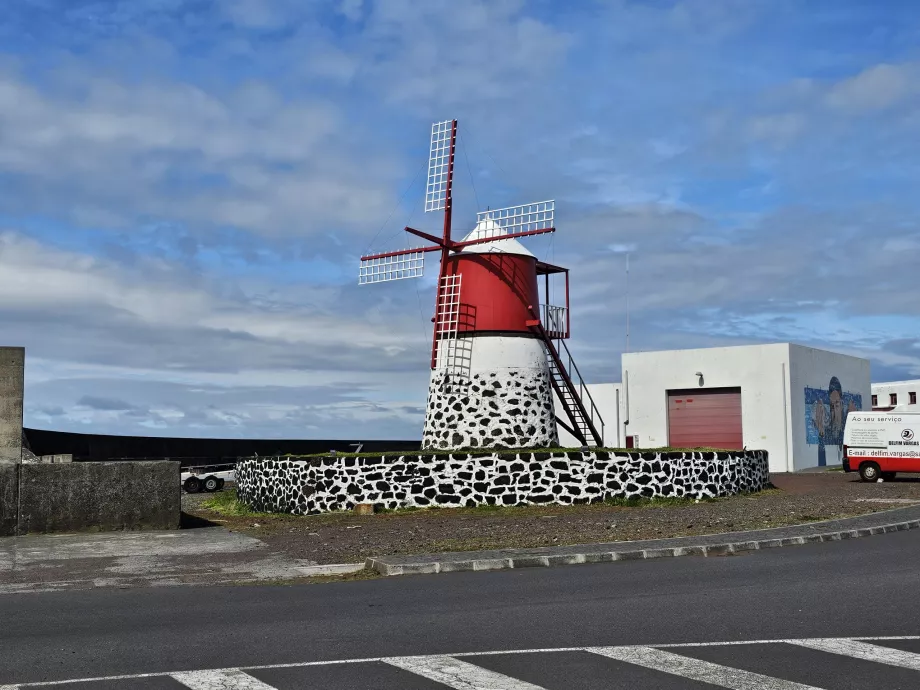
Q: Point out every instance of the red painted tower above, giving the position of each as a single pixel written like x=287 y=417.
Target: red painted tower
x=497 y=354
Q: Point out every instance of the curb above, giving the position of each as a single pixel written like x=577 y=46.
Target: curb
x=706 y=546
x=331 y=569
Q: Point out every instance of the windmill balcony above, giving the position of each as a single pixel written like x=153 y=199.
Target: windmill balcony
x=555 y=321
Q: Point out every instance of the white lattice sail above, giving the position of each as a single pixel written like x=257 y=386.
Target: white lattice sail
x=438 y=165
x=382 y=269
x=523 y=218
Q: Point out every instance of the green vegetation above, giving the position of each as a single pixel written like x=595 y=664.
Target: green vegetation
x=500 y=451
x=228 y=504
x=658 y=502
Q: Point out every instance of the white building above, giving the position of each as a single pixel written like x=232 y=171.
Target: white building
x=887 y=396
x=786 y=399
x=610 y=401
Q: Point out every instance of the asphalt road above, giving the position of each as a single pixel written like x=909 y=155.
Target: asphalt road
x=859 y=588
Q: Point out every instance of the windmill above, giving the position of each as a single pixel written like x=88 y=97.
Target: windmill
x=498 y=353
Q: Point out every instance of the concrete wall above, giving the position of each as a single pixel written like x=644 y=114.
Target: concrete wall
x=12 y=368
x=9 y=498
x=610 y=402
x=98 y=496
x=824 y=387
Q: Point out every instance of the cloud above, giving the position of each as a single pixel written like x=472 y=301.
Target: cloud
x=248 y=158
x=780 y=129
x=153 y=302
x=327 y=361
x=352 y=9
x=104 y=404
x=876 y=88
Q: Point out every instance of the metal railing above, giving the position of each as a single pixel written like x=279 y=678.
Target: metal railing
x=580 y=387
x=555 y=321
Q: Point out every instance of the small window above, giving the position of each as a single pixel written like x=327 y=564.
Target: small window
x=912 y=398
x=894 y=398
x=874 y=401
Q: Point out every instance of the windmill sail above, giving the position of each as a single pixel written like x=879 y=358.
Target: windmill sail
x=396 y=266
x=526 y=218
x=440 y=163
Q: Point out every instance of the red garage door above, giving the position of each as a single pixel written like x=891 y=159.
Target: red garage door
x=708 y=418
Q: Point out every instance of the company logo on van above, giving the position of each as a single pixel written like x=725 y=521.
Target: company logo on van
x=907 y=439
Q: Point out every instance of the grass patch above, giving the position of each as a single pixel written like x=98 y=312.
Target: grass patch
x=540 y=508
x=659 y=502
x=494 y=451
x=227 y=503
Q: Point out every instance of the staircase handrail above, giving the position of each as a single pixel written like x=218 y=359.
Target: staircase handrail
x=584 y=391
x=537 y=326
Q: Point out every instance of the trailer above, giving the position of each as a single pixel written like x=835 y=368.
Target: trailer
x=207 y=478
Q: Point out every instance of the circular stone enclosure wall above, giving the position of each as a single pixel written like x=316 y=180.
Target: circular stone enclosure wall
x=305 y=486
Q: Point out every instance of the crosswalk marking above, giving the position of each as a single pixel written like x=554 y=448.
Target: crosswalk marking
x=862 y=650
x=221 y=679
x=455 y=673
x=696 y=669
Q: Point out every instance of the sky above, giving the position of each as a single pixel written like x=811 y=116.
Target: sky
x=186 y=187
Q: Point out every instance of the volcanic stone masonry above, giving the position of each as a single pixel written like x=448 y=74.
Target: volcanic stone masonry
x=318 y=485
x=505 y=409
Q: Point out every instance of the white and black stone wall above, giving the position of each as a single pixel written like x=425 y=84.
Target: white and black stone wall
x=495 y=393
x=317 y=485
x=510 y=408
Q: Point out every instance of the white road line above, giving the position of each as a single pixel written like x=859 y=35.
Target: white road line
x=224 y=679
x=458 y=674
x=678 y=645
x=695 y=669
x=861 y=650
x=844 y=642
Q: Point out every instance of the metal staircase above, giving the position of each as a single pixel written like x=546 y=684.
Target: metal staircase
x=584 y=419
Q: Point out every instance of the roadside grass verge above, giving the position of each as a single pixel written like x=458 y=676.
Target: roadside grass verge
x=490 y=451
x=227 y=504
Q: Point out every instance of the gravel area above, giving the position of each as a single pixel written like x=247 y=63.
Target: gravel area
x=345 y=537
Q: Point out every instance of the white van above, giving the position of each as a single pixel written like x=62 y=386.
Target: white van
x=880 y=444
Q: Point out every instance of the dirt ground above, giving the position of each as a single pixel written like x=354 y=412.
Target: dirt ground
x=346 y=538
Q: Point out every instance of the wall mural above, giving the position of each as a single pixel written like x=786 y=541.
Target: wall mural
x=826 y=412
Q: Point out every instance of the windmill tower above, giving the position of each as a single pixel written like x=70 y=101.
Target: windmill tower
x=498 y=354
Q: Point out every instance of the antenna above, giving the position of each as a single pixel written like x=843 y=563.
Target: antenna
x=627 y=301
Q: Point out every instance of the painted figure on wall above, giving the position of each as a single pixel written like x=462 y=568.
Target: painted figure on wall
x=825 y=416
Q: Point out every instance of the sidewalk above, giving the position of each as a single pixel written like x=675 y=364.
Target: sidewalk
x=217 y=556
x=207 y=555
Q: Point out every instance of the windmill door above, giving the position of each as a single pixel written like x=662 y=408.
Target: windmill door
x=705 y=418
